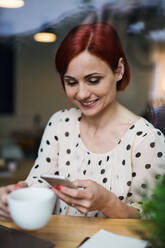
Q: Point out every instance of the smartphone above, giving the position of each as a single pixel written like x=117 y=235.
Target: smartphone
x=54 y=180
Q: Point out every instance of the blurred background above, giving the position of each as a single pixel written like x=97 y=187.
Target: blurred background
x=30 y=88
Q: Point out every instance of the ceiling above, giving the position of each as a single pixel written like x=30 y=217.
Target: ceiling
x=38 y=13
x=141 y=17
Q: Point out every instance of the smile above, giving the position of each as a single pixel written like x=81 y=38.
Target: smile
x=89 y=103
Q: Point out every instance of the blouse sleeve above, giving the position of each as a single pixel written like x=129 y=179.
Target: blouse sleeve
x=47 y=160
x=148 y=163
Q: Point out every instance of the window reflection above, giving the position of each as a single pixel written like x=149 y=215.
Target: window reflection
x=37 y=92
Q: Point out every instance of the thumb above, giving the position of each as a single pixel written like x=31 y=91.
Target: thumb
x=21 y=184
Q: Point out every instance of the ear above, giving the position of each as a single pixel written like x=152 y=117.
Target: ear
x=120 y=70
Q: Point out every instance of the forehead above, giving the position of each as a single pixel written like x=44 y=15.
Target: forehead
x=86 y=63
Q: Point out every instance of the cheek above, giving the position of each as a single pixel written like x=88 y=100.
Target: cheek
x=109 y=93
x=108 y=89
x=69 y=92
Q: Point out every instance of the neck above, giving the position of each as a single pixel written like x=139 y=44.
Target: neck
x=107 y=116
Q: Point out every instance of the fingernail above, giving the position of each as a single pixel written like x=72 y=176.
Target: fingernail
x=58 y=187
x=17 y=186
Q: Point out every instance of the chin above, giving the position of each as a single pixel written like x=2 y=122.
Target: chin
x=90 y=112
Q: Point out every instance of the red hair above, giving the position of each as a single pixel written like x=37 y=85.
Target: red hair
x=99 y=39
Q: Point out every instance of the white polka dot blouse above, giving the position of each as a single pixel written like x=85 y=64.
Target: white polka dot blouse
x=137 y=160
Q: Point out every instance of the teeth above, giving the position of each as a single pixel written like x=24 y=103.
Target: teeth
x=88 y=103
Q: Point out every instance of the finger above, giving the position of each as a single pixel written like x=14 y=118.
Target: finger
x=5 y=216
x=74 y=193
x=82 y=210
x=22 y=184
x=4 y=199
x=5 y=219
x=9 y=188
x=63 y=197
x=5 y=213
x=52 y=188
x=4 y=194
x=68 y=199
x=19 y=185
x=4 y=208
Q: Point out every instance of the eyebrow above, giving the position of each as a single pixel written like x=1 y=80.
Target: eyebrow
x=92 y=74
x=87 y=76
x=67 y=76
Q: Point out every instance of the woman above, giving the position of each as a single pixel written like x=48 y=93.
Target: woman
x=102 y=147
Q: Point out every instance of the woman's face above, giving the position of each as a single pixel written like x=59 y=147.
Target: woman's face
x=90 y=84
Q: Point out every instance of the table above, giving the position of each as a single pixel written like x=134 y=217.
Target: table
x=69 y=231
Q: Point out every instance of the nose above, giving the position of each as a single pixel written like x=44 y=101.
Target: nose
x=83 y=92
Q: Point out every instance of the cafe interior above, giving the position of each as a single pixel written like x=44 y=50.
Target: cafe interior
x=30 y=87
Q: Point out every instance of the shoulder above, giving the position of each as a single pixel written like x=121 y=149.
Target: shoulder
x=65 y=115
x=62 y=122
x=146 y=133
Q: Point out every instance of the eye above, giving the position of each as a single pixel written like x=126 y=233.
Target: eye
x=94 y=80
x=70 y=82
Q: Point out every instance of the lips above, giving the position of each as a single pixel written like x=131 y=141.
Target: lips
x=90 y=103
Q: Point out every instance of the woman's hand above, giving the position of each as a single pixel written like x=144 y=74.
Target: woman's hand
x=4 y=191
x=89 y=197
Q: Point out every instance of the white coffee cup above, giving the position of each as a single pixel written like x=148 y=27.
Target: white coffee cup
x=31 y=208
